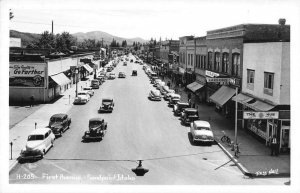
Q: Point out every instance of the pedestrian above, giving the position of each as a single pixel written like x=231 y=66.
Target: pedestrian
x=31 y=101
x=169 y=84
x=190 y=102
x=189 y=96
x=273 y=142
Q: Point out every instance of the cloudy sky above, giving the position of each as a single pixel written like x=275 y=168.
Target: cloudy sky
x=145 y=18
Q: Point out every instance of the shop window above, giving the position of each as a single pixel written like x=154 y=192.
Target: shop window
x=268 y=83
x=236 y=64
x=225 y=62
x=250 y=79
x=217 y=61
x=204 y=61
x=192 y=59
x=210 y=60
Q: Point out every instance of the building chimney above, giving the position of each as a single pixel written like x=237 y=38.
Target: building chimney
x=281 y=21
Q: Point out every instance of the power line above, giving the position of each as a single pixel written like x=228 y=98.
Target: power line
x=16 y=21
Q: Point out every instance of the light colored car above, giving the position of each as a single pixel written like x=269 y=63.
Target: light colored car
x=174 y=99
x=38 y=143
x=82 y=97
x=122 y=75
x=169 y=94
x=164 y=90
x=155 y=95
x=89 y=90
x=160 y=85
x=156 y=82
x=111 y=76
x=201 y=131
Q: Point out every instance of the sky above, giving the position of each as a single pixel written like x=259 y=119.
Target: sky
x=165 y=19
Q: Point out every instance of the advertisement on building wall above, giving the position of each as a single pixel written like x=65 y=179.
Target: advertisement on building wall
x=27 y=75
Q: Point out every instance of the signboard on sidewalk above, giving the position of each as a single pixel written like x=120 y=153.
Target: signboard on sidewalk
x=260 y=115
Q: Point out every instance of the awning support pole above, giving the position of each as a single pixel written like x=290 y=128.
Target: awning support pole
x=235 y=121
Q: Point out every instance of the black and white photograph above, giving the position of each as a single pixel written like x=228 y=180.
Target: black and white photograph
x=149 y=96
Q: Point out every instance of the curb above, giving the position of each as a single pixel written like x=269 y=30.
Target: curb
x=13 y=165
x=237 y=163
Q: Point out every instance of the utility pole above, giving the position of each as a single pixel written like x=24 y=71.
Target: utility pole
x=52 y=28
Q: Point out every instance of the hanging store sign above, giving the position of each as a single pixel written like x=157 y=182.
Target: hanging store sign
x=211 y=74
x=260 y=115
x=218 y=80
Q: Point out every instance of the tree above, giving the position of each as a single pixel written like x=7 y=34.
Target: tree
x=46 y=40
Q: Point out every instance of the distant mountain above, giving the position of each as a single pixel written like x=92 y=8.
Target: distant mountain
x=107 y=38
x=26 y=38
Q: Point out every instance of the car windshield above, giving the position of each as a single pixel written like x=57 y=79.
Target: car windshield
x=56 y=119
x=191 y=113
x=82 y=93
x=202 y=128
x=87 y=88
x=35 y=137
x=106 y=101
x=95 y=123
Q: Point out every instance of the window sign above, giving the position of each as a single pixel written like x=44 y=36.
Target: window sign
x=260 y=115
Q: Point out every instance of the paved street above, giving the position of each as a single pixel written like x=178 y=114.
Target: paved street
x=137 y=129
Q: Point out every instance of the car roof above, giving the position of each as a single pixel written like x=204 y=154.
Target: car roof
x=202 y=123
x=87 y=87
x=182 y=103
x=107 y=99
x=95 y=119
x=155 y=91
x=191 y=109
x=58 y=115
x=175 y=95
x=40 y=131
x=83 y=91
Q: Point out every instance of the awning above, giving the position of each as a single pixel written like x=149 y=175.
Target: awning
x=88 y=68
x=252 y=103
x=221 y=96
x=241 y=98
x=61 y=79
x=194 y=86
x=260 y=106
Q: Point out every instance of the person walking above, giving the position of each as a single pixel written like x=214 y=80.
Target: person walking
x=273 y=142
x=31 y=101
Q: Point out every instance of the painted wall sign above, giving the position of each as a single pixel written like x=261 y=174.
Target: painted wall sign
x=218 y=80
x=260 y=115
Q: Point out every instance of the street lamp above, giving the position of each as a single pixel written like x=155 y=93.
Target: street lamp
x=76 y=79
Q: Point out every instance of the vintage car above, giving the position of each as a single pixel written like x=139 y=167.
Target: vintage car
x=156 y=82
x=97 y=129
x=163 y=90
x=89 y=90
x=59 y=123
x=107 y=105
x=155 y=95
x=111 y=76
x=179 y=107
x=174 y=99
x=134 y=73
x=38 y=143
x=109 y=69
x=95 y=84
x=169 y=94
x=201 y=131
x=82 y=97
x=122 y=75
x=153 y=79
x=124 y=63
x=189 y=115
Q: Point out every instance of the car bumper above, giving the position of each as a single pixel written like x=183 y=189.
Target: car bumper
x=203 y=140
x=30 y=155
x=105 y=110
x=79 y=102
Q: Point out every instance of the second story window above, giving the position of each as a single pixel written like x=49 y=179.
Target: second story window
x=225 y=62
x=250 y=79
x=236 y=64
x=192 y=59
x=217 y=61
x=268 y=83
x=210 y=60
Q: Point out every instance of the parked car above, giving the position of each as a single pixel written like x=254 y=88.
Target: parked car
x=201 y=131
x=109 y=69
x=107 y=105
x=164 y=90
x=97 y=129
x=89 y=90
x=153 y=79
x=59 y=123
x=82 y=97
x=179 y=107
x=169 y=94
x=122 y=75
x=156 y=82
x=174 y=99
x=189 y=115
x=124 y=63
x=111 y=76
x=38 y=143
x=134 y=72
x=95 y=84
x=155 y=95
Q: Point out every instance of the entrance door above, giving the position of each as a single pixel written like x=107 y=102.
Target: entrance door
x=271 y=130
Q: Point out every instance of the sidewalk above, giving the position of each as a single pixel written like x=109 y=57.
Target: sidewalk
x=18 y=134
x=255 y=159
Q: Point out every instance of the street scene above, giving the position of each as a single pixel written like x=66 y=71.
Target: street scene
x=194 y=105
